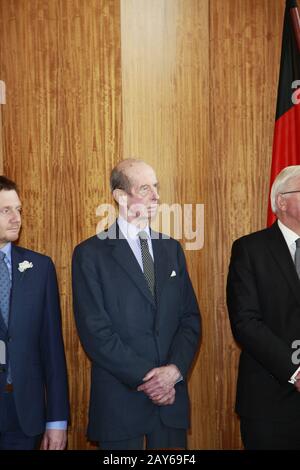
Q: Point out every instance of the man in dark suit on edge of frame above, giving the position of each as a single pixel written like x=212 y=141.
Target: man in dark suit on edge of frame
x=263 y=297
x=33 y=380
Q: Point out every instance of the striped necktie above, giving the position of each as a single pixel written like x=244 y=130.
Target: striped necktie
x=148 y=264
x=5 y=288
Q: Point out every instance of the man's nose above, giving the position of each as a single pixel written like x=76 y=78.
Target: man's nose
x=15 y=216
x=155 y=194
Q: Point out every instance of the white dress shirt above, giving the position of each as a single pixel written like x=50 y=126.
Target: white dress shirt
x=130 y=232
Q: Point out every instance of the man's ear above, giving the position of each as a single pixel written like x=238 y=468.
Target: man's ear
x=120 y=196
x=281 y=202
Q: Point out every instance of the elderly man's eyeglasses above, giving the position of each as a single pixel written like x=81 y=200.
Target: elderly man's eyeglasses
x=291 y=192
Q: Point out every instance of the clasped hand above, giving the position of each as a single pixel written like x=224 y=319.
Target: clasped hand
x=159 y=384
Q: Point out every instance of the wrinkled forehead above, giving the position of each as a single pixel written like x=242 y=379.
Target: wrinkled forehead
x=140 y=173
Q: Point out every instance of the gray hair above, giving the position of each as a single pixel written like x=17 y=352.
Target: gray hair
x=118 y=177
x=119 y=180
x=280 y=184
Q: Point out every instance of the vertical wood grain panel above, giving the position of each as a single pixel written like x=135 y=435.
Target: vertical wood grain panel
x=245 y=40
x=2 y=103
x=1 y=142
x=61 y=127
x=198 y=92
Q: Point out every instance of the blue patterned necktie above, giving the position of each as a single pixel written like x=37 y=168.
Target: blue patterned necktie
x=148 y=263
x=5 y=287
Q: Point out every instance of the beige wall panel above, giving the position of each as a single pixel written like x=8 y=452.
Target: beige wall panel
x=165 y=94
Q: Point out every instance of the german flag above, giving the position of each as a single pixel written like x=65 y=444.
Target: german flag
x=286 y=143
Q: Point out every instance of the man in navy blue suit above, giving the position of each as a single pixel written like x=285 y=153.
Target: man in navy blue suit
x=138 y=320
x=33 y=381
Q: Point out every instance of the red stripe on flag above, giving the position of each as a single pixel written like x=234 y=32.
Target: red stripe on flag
x=286 y=146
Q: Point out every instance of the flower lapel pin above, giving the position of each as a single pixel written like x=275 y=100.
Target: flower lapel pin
x=25 y=265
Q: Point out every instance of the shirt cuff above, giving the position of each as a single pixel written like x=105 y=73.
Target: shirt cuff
x=180 y=379
x=293 y=378
x=57 y=425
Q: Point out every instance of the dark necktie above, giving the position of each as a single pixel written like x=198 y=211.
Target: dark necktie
x=297 y=257
x=5 y=286
x=148 y=264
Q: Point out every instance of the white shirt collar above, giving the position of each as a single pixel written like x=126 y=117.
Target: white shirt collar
x=289 y=236
x=130 y=230
x=7 y=250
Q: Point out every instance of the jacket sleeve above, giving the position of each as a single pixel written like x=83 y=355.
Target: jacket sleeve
x=52 y=352
x=102 y=344
x=247 y=319
x=186 y=340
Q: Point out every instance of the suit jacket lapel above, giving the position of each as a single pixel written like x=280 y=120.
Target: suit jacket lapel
x=162 y=264
x=2 y=324
x=17 y=256
x=124 y=256
x=281 y=254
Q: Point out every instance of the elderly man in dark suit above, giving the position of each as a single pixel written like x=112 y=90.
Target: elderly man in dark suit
x=33 y=380
x=263 y=294
x=138 y=320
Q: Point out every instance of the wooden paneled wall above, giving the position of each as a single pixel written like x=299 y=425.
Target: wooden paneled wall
x=61 y=63
x=245 y=42
x=187 y=85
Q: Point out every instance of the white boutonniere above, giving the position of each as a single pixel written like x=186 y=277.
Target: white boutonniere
x=25 y=265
